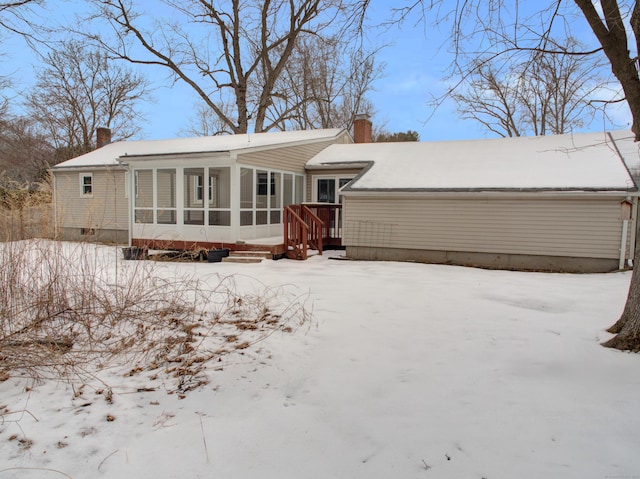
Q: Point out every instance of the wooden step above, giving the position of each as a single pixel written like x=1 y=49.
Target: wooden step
x=241 y=259
x=251 y=254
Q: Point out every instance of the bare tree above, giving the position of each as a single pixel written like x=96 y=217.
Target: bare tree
x=4 y=101
x=25 y=155
x=544 y=94
x=205 y=122
x=78 y=91
x=15 y=16
x=325 y=85
x=483 y=30
x=491 y=99
x=230 y=52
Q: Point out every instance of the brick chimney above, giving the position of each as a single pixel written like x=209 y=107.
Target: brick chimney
x=103 y=137
x=362 y=129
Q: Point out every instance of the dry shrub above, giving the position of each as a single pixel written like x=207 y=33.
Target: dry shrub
x=68 y=311
x=26 y=210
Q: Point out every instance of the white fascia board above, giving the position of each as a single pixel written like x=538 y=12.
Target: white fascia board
x=489 y=194
x=65 y=169
x=338 y=166
x=289 y=144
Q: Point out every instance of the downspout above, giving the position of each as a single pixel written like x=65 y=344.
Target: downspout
x=623 y=243
x=625 y=233
x=130 y=199
x=55 y=207
x=634 y=231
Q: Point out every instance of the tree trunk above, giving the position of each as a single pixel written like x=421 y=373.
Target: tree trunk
x=627 y=328
x=612 y=35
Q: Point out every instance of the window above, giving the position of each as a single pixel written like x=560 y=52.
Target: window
x=219 y=196
x=198 y=189
x=166 y=213
x=86 y=185
x=275 y=201
x=143 y=184
x=263 y=194
x=327 y=190
x=287 y=190
x=193 y=196
x=261 y=188
x=246 y=196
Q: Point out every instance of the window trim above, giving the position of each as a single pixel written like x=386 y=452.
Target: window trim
x=198 y=190
x=271 y=182
x=336 y=178
x=83 y=193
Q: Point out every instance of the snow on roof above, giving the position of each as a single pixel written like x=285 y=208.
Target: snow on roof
x=579 y=161
x=629 y=149
x=109 y=154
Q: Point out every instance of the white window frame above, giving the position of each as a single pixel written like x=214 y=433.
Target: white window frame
x=336 y=179
x=83 y=194
x=198 y=190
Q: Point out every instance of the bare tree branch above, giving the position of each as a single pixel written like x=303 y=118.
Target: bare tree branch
x=228 y=52
x=78 y=91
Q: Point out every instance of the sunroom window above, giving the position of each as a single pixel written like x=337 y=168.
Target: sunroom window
x=193 y=196
x=143 y=196
x=166 y=191
x=264 y=193
x=246 y=196
x=219 y=194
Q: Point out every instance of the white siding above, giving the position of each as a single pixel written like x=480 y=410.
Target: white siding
x=105 y=209
x=574 y=227
x=291 y=158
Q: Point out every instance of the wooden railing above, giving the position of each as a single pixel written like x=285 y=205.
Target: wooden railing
x=311 y=227
x=331 y=217
x=302 y=231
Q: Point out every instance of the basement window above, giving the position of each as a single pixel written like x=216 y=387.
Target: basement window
x=86 y=185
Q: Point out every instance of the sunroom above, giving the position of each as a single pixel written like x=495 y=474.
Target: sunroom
x=208 y=202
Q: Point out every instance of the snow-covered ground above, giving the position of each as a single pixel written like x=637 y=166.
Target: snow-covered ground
x=407 y=370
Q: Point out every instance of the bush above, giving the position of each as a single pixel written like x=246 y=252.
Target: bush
x=68 y=311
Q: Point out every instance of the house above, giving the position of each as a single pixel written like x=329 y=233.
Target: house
x=559 y=203
x=553 y=203
x=186 y=193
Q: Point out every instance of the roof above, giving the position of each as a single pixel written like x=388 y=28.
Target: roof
x=629 y=149
x=585 y=161
x=109 y=154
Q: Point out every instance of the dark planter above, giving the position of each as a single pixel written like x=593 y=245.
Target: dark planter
x=216 y=255
x=134 y=252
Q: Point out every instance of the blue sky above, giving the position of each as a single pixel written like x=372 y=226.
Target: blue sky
x=416 y=63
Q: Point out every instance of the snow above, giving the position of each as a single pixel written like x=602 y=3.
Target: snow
x=579 y=161
x=109 y=154
x=406 y=370
x=628 y=148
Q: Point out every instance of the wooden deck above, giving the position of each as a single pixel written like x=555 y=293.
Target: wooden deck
x=306 y=227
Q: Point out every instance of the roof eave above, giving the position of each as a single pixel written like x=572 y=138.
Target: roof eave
x=632 y=191
x=115 y=166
